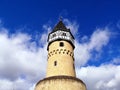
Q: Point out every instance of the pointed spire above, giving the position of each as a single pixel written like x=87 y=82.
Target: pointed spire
x=60 y=26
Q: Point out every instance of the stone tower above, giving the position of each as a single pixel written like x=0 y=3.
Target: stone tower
x=60 y=69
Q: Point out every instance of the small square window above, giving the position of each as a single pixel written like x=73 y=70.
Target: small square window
x=61 y=44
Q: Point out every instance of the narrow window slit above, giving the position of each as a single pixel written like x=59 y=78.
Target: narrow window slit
x=55 y=63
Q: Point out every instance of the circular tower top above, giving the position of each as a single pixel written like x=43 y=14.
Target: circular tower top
x=60 y=32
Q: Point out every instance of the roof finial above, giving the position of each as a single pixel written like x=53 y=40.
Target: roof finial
x=60 y=18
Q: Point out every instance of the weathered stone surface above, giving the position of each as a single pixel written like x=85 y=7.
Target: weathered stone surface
x=60 y=83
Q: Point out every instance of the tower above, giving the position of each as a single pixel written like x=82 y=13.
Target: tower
x=60 y=68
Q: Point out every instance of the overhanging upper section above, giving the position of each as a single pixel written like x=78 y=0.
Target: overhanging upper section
x=60 y=32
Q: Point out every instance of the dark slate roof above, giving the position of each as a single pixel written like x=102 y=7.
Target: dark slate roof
x=60 y=26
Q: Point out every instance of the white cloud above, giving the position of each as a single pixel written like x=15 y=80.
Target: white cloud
x=6 y=85
x=99 y=39
x=83 y=51
x=19 y=84
x=73 y=26
x=20 y=59
x=44 y=36
x=104 y=77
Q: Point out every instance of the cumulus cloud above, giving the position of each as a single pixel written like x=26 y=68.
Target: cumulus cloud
x=94 y=43
x=19 y=84
x=20 y=60
x=84 y=51
x=44 y=36
x=73 y=26
x=104 y=77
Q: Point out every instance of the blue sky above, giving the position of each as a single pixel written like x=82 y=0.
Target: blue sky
x=25 y=24
x=34 y=14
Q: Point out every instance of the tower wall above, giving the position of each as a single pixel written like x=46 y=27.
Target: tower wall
x=60 y=59
x=60 y=83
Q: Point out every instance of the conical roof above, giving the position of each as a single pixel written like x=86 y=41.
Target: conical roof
x=60 y=26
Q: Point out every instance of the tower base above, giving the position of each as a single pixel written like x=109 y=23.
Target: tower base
x=60 y=83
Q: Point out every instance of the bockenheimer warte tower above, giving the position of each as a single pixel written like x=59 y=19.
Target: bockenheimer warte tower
x=60 y=68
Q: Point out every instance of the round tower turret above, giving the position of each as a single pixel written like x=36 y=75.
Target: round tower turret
x=60 y=73
x=60 y=32
x=60 y=52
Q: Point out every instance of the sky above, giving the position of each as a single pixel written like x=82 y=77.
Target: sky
x=25 y=25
